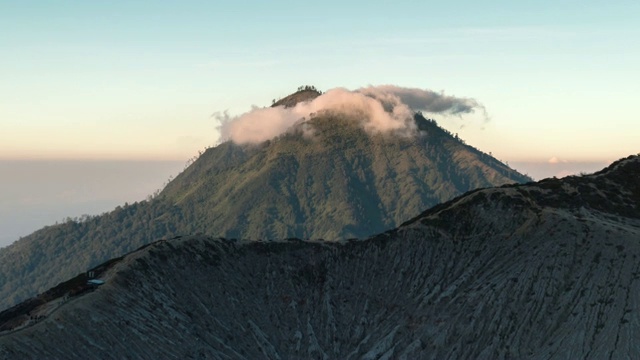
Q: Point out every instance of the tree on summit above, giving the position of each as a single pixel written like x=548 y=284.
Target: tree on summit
x=307 y=88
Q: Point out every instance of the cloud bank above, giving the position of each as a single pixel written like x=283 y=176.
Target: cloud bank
x=378 y=108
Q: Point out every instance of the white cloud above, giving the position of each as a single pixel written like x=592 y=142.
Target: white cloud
x=378 y=109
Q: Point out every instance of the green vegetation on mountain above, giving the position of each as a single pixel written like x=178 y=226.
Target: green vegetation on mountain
x=326 y=178
x=339 y=182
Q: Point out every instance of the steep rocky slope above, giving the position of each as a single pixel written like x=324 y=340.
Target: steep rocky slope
x=536 y=271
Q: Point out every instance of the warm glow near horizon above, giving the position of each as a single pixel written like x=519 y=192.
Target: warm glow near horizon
x=556 y=84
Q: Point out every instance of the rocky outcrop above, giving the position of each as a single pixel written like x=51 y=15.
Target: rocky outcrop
x=512 y=272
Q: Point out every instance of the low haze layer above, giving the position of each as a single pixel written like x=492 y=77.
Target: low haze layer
x=45 y=192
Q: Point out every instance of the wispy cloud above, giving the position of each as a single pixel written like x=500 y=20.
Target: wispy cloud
x=377 y=108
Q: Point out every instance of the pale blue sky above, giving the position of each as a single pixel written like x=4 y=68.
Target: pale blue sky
x=140 y=79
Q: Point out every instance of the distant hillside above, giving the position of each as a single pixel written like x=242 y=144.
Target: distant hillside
x=342 y=182
x=546 y=270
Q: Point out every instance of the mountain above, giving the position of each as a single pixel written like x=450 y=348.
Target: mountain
x=546 y=270
x=304 y=93
x=342 y=183
x=326 y=177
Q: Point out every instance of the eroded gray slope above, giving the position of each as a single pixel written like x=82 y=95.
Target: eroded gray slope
x=499 y=273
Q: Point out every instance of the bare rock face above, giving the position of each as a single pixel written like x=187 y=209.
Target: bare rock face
x=545 y=270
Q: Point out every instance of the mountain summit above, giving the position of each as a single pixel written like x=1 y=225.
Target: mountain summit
x=546 y=270
x=304 y=93
x=328 y=178
x=359 y=164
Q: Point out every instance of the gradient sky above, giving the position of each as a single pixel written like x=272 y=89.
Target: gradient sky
x=140 y=79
